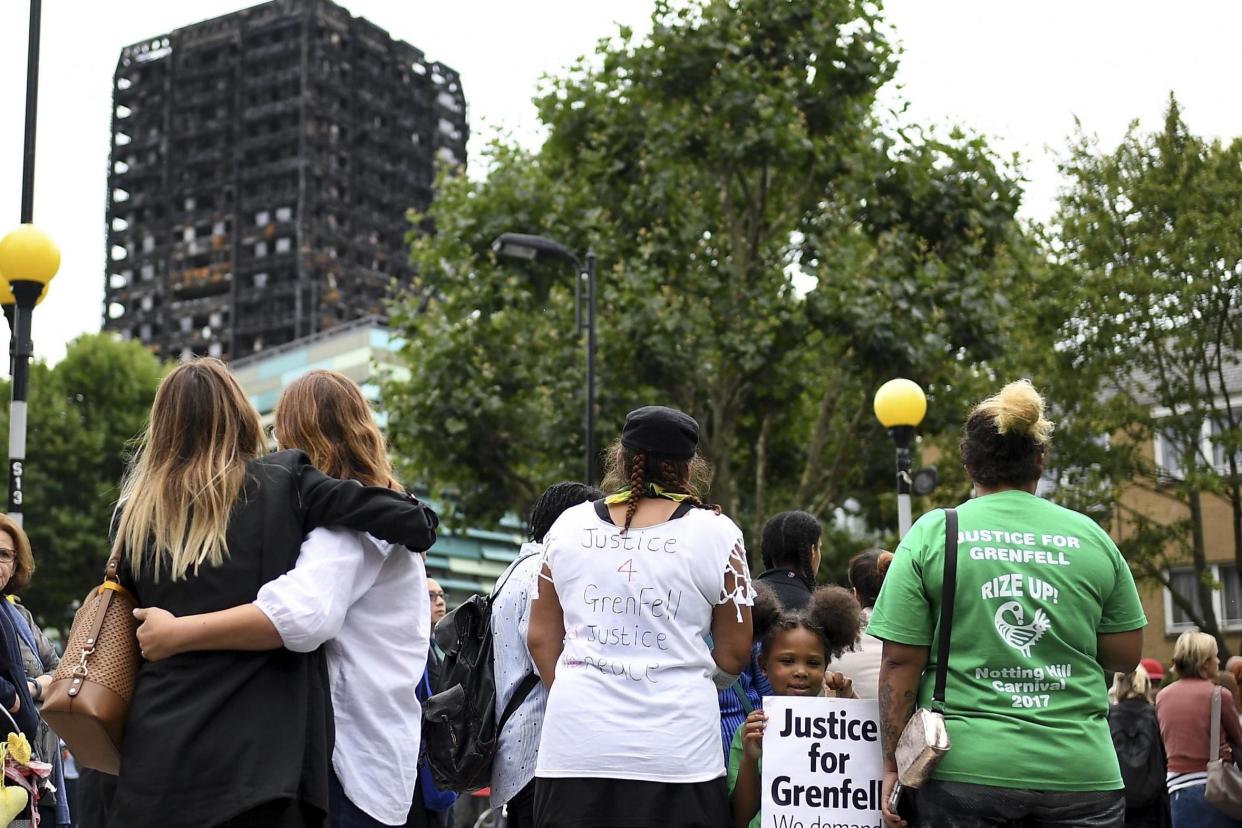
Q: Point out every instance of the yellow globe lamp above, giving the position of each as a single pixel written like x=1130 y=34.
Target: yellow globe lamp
x=900 y=402
x=7 y=299
x=29 y=255
x=900 y=406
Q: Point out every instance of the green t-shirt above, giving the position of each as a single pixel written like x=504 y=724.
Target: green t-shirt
x=1025 y=701
x=735 y=762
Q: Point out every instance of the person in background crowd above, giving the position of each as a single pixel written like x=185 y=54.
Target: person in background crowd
x=1076 y=610
x=1140 y=750
x=517 y=747
x=630 y=731
x=227 y=737
x=439 y=601
x=791 y=554
x=431 y=807
x=1155 y=675
x=39 y=660
x=796 y=648
x=1234 y=665
x=1184 y=709
x=1225 y=679
x=348 y=593
x=791 y=538
x=862 y=663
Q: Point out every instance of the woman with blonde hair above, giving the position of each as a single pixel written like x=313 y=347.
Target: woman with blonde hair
x=1045 y=604
x=1140 y=750
x=1184 y=709
x=363 y=599
x=229 y=738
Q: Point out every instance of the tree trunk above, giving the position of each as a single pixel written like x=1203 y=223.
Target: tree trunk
x=761 y=462
x=1210 y=625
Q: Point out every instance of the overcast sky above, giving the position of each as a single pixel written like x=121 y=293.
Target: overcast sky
x=1016 y=71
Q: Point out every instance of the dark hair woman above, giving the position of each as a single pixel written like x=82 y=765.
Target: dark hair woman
x=204 y=522
x=862 y=663
x=791 y=555
x=1044 y=605
x=630 y=588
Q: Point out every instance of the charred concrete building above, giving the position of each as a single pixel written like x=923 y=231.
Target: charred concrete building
x=262 y=165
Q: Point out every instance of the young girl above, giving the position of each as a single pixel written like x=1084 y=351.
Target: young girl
x=794 y=652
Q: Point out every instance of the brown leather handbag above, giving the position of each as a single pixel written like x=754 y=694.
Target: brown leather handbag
x=88 y=699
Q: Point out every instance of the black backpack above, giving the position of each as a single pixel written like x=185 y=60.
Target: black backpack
x=1140 y=752
x=460 y=727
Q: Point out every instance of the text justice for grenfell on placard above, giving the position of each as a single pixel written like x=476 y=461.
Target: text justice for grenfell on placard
x=822 y=763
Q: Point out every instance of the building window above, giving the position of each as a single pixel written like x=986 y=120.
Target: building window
x=148 y=244
x=284 y=213
x=262 y=217
x=283 y=245
x=218 y=228
x=1226 y=598
x=260 y=280
x=1219 y=456
x=260 y=249
x=148 y=272
x=188 y=234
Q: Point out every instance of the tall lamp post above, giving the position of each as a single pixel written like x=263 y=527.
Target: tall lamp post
x=900 y=405
x=28 y=261
x=524 y=246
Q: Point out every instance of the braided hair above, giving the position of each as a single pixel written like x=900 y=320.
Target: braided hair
x=556 y=499
x=832 y=615
x=787 y=541
x=676 y=475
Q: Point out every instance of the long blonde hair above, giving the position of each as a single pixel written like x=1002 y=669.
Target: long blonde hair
x=324 y=414
x=188 y=470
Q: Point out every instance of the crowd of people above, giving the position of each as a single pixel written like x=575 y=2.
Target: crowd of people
x=286 y=627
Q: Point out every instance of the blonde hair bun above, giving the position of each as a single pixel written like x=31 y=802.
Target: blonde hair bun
x=1018 y=409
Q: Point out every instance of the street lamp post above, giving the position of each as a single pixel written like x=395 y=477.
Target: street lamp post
x=524 y=246
x=900 y=405
x=28 y=261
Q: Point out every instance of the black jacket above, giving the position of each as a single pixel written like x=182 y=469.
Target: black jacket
x=213 y=734
x=789 y=587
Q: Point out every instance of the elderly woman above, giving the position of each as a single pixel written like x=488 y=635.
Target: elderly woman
x=1184 y=710
x=39 y=659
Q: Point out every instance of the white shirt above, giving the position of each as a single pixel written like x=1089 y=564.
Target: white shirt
x=863 y=664
x=366 y=601
x=518 y=744
x=633 y=696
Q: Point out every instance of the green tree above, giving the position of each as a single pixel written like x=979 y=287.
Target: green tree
x=1148 y=286
x=84 y=411
x=768 y=256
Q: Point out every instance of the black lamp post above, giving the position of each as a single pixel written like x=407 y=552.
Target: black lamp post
x=524 y=246
x=28 y=261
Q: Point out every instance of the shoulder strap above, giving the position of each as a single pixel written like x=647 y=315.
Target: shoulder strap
x=741 y=697
x=524 y=688
x=1214 y=743
x=508 y=573
x=947 y=598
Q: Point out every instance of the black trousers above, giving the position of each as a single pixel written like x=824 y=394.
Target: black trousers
x=962 y=805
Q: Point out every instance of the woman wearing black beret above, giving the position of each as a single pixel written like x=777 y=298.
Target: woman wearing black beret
x=632 y=586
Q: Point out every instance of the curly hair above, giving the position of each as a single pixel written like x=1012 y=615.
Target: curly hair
x=787 y=541
x=637 y=469
x=1006 y=437
x=833 y=615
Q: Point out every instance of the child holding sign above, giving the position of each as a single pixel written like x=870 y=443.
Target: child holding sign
x=794 y=651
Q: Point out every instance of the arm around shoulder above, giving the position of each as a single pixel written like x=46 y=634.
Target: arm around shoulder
x=387 y=514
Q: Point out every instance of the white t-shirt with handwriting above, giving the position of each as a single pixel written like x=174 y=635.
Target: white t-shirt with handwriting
x=633 y=696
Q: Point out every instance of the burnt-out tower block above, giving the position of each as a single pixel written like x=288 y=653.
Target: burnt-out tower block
x=262 y=167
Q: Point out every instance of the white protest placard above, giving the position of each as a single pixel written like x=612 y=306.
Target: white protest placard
x=822 y=763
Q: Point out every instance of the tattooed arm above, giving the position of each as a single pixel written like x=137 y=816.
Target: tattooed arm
x=901 y=669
